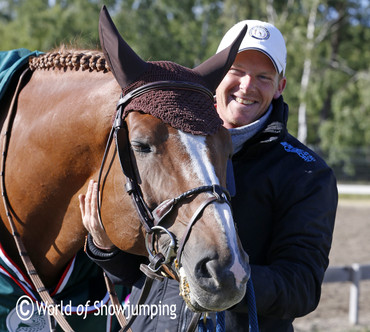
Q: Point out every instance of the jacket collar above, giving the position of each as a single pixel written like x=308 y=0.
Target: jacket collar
x=272 y=133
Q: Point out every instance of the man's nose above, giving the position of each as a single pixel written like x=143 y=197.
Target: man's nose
x=245 y=83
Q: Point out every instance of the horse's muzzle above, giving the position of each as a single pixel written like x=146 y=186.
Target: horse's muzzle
x=216 y=286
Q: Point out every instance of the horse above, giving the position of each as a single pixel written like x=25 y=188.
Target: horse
x=57 y=136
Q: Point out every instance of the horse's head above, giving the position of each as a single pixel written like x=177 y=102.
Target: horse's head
x=174 y=153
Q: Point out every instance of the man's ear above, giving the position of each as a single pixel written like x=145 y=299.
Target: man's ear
x=280 y=89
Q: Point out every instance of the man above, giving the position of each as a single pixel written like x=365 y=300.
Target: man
x=285 y=200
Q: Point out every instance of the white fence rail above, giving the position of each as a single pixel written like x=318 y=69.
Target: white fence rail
x=353 y=273
x=353 y=189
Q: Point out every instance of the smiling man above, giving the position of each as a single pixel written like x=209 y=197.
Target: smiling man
x=285 y=196
x=256 y=77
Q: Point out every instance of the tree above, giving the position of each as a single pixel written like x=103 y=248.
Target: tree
x=302 y=124
x=162 y=29
x=38 y=24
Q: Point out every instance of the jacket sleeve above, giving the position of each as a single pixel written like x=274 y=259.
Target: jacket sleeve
x=121 y=267
x=289 y=285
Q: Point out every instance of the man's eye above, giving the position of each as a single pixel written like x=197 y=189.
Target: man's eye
x=235 y=71
x=265 y=77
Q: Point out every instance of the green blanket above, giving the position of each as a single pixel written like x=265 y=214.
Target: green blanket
x=11 y=63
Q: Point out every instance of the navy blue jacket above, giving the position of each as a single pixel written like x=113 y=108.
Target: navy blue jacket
x=284 y=209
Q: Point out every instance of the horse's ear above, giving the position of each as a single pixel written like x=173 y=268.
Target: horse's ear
x=215 y=68
x=124 y=63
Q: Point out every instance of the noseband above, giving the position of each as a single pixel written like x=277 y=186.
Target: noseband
x=151 y=220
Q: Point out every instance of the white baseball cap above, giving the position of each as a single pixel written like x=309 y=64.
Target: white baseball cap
x=261 y=36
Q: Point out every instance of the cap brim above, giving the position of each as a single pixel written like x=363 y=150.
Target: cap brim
x=278 y=70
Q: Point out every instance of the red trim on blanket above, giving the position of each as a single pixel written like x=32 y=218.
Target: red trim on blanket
x=18 y=283
x=67 y=272
x=25 y=277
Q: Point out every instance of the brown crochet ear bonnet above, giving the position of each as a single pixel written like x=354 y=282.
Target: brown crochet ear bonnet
x=189 y=111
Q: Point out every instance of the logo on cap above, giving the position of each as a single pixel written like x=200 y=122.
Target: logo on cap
x=259 y=32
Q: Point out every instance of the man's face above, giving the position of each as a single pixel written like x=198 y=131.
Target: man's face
x=248 y=88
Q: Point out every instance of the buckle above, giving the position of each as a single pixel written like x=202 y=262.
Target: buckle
x=221 y=194
x=154 y=258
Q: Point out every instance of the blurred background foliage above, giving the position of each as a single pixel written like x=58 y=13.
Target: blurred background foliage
x=328 y=60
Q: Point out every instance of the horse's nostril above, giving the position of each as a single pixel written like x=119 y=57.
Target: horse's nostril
x=201 y=269
x=205 y=269
x=212 y=275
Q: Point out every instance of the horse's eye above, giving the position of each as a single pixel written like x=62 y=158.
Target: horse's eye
x=141 y=147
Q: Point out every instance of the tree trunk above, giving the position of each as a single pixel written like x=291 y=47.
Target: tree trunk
x=302 y=117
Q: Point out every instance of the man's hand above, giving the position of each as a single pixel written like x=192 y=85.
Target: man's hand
x=90 y=218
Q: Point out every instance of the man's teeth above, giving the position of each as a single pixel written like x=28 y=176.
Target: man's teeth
x=244 y=101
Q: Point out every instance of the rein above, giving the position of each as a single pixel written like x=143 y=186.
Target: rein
x=31 y=271
x=160 y=264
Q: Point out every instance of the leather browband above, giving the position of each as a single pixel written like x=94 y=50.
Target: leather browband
x=164 y=85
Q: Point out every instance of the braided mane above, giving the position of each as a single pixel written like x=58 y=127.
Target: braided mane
x=70 y=59
x=182 y=109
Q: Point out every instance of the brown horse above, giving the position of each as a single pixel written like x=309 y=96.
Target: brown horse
x=63 y=118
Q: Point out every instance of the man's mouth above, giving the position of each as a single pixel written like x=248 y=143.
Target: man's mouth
x=244 y=101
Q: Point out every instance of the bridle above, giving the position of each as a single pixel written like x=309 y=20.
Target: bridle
x=160 y=265
x=151 y=219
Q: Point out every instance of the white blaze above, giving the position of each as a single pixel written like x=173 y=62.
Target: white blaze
x=201 y=167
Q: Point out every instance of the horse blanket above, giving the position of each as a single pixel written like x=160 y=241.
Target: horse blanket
x=81 y=294
x=11 y=63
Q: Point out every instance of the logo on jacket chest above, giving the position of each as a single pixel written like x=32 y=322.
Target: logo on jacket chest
x=301 y=153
